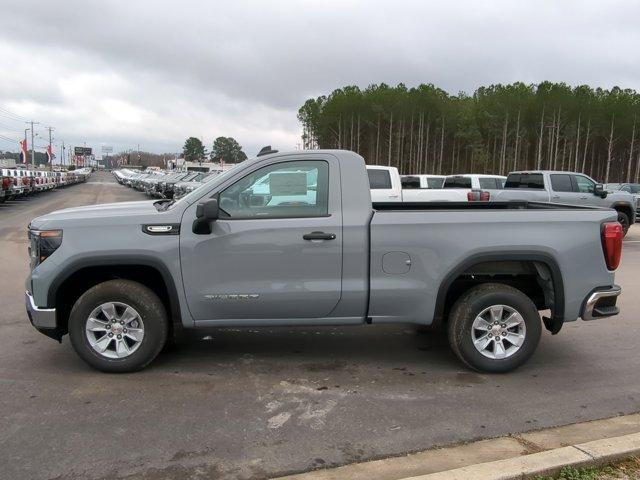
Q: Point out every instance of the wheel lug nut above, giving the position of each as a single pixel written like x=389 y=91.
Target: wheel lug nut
x=110 y=334
x=490 y=335
x=121 y=322
x=504 y=325
x=125 y=330
x=504 y=334
x=119 y=337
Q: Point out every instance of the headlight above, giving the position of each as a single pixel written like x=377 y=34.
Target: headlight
x=42 y=243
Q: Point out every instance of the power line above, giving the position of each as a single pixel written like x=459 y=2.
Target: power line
x=12 y=140
x=9 y=129
x=9 y=114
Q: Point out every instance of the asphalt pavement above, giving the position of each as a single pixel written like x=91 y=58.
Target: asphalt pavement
x=258 y=403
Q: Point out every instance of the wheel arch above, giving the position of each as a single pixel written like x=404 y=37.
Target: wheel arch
x=627 y=209
x=545 y=266
x=78 y=277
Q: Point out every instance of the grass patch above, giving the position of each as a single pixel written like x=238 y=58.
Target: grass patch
x=626 y=470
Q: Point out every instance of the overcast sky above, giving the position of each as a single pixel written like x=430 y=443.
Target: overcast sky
x=155 y=72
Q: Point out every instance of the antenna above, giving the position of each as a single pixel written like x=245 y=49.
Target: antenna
x=266 y=151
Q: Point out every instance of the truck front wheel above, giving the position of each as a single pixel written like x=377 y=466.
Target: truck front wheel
x=623 y=219
x=118 y=326
x=494 y=328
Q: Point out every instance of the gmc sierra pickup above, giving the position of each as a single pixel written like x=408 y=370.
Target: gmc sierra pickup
x=294 y=239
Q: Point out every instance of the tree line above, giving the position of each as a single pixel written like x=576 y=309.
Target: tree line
x=500 y=128
x=225 y=149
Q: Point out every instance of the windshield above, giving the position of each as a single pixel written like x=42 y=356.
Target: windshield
x=194 y=195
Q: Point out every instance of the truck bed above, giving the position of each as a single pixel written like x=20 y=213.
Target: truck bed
x=509 y=205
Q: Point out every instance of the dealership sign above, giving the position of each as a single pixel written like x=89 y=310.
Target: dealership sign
x=82 y=150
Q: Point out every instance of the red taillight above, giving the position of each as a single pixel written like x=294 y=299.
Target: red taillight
x=25 y=180
x=478 y=196
x=612 y=244
x=6 y=181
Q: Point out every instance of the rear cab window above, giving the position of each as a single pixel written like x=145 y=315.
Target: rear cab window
x=457 y=182
x=490 y=183
x=532 y=181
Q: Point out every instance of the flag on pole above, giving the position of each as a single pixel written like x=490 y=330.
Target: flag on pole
x=50 y=155
x=24 y=156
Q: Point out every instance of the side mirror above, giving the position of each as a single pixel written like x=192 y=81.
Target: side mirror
x=599 y=190
x=206 y=212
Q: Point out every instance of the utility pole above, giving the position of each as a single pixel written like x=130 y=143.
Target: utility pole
x=50 y=150
x=33 y=152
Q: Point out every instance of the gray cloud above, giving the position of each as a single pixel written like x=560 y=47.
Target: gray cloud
x=153 y=72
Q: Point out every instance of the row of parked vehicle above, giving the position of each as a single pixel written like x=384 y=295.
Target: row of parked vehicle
x=22 y=182
x=567 y=188
x=163 y=184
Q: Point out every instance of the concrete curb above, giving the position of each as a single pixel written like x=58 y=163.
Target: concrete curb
x=520 y=456
x=598 y=452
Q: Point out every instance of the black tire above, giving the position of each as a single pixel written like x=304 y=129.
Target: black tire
x=623 y=219
x=136 y=295
x=470 y=305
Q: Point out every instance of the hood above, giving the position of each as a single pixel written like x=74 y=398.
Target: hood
x=99 y=211
x=621 y=196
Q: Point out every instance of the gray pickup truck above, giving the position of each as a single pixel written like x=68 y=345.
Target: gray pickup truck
x=294 y=239
x=566 y=188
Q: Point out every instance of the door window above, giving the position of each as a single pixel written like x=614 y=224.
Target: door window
x=290 y=189
x=584 y=184
x=561 y=183
x=379 y=179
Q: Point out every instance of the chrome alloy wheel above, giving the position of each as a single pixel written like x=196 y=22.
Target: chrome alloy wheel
x=114 y=330
x=498 y=332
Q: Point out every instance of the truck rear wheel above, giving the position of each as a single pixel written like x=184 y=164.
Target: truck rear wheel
x=494 y=328
x=118 y=326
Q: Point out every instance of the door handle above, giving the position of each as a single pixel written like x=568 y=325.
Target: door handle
x=583 y=198
x=319 y=236
x=556 y=197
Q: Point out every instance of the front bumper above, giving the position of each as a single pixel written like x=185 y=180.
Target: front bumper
x=601 y=303
x=43 y=319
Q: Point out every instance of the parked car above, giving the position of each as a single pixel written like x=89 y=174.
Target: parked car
x=17 y=188
x=422 y=181
x=21 y=183
x=632 y=188
x=237 y=252
x=164 y=188
x=566 y=188
x=6 y=186
x=456 y=188
x=182 y=188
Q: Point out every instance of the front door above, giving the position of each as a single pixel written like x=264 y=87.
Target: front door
x=276 y=250
x=562 y=189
